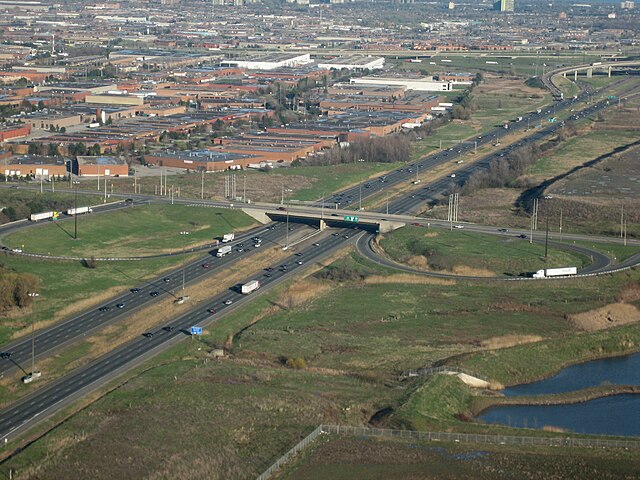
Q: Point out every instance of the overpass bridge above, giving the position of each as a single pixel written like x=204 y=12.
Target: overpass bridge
x=588 y=69
x=321 y=217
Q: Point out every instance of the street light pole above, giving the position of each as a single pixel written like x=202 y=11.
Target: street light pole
x=184 y=263
x=360 y=202
x=75 y=216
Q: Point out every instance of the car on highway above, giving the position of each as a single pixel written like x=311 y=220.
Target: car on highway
x=166 y=280
x=154 y=294
x=228 y=301
x=120 y=305
x=135 y=290
x=5 y=355
x=206 y=265
x=282 y=209
x=298 y=254
x=458 y=226
x=169 y=328
x=453 y=175
x=299 y=262
x=522 y=235
x=211 y=310
x=148 y=334
x=316 y=244
x=503 y=230
x=106 y=308
x=268 y=274
x=257 y=245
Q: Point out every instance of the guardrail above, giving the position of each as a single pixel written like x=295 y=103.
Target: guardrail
x=447 y=437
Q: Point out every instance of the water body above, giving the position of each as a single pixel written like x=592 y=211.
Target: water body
x=609 y=371
x=615 y=415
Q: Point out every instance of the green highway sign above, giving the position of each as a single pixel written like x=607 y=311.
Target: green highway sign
x=351 y=218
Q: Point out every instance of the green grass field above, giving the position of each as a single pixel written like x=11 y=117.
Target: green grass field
x=232 y=418
x=580 y=149
x=331 y=178
x=448 y=250
x=133 y=231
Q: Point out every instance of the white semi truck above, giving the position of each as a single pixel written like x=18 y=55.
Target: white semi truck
x=40 y=216
x=555 y=272
x=228 y=237
x=250 y=286
x=79 y=210
x=222 y=251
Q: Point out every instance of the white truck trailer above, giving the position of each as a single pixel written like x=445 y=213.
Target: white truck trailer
x=79 y=210
x=555 y=272
x=40 y=216
x=228 y=237
x=250 y=286
x=222 y=251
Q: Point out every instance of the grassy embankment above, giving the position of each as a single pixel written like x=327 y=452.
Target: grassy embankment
x=443 y=250
x=356 y=328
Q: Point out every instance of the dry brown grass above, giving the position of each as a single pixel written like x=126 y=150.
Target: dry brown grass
x=418 y=261
x=472 y=272
x=611 y=315
x=407 y=278
x=431 y=234
x=630 y=293
x=551 y=428
x=303 y=291
x=72 y=309
x=506 y=341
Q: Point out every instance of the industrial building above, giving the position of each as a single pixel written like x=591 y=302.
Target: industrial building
x=426 y=84
x=100 y=166
x=40 y=167
x=269 y=62
x=353 y=62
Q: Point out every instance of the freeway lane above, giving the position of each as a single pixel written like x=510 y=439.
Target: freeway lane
x=46 y=400
x=61 y=334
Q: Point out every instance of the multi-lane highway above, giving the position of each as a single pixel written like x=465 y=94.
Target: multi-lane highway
x=61 y=334
x=48 y=398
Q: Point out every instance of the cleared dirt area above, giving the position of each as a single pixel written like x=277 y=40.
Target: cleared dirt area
x=612 y=315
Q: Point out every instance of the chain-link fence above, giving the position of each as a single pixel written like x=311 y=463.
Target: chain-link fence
x=475 y=438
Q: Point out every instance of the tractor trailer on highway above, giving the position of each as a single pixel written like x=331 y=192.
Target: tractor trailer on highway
x=79 y=210
x=555 y=272
x=222 y=251
x=40 y=216
x=228 y=237
x=250 y=286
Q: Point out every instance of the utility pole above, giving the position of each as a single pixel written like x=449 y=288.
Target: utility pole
x=135 y=181
x=360 y=202
x=546 y=240
x=560 y=223
x=202 y=185
x=75 y=216
x=53 y=183
x=286 y=246
x=184 y=261
x=622 y=221
x=244 y=188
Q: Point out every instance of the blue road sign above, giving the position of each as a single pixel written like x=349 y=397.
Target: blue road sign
x=196 y=330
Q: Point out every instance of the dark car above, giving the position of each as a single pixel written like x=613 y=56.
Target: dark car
x=282 y=209
x=168 y=328
x=211 y=310
x=522 y=235
x=104 y=309
x=120 y=305
x=148 y=334
x=206 y=265
x=135 y=290
x=268 y=274
x=154 y=294
x=5 y=355
x=166 y=280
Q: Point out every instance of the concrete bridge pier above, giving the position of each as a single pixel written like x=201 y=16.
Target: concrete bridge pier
x=589 y=72
x=564 y=74
x=575 y=75
x=323 y=225
x=609 y=72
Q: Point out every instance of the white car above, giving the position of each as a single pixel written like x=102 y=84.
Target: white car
x=458 y=226
x=453 y=175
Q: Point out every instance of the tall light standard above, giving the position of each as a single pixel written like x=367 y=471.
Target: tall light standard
x=184 y=262
x=360 y=202
x=33 y=374
x=75 y=216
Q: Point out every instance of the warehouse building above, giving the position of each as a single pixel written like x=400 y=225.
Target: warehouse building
x=271 y=61
x=353 y=62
